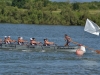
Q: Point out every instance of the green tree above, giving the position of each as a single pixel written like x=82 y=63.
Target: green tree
x=19 y=3
x=75 y=6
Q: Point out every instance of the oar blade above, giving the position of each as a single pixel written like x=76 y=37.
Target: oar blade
x=97 y=51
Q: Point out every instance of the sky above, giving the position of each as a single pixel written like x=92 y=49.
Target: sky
x=75 y=0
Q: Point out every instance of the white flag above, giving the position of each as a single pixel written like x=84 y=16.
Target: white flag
x=92 y=27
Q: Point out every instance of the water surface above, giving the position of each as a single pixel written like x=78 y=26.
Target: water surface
x=49 y=63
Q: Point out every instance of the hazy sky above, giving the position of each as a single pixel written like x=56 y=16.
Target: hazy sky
x=76 y=0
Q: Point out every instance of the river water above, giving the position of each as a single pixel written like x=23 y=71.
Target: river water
x=49 y=63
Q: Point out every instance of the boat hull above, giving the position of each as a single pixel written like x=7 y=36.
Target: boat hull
x=38 y=48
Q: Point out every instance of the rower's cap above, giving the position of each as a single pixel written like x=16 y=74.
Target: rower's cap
x=21 y=37
x=65 y=34
x=33 y=38
x=5 y=36
x=8 y=36
x=30 y=38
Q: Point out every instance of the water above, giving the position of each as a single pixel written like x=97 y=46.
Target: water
x=49 y=63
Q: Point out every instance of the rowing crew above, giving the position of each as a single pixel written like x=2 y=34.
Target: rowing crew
x=21 y=41
x=8 y=40
x=33 y=41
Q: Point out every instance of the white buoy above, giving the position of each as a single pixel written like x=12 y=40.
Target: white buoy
x=81 y=51
x=83 y=48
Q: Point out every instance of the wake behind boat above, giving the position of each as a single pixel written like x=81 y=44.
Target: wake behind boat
x=38 y=47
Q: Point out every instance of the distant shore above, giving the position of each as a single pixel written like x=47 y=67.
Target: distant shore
x=49 y=13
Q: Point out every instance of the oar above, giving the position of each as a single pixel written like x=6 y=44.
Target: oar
x=97 y=51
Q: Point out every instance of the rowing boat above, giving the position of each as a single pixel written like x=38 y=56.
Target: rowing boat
x=38 y=47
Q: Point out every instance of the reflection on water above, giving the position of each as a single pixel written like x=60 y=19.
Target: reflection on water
x=49 y=63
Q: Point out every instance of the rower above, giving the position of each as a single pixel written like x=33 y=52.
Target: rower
x=21 y=41
x=5 y=40
x=34 y=42
x=68 y=39
x=0 y=41
x=47 y=43
x=8 y=40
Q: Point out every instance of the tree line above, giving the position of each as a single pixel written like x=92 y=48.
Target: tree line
x=47 y=12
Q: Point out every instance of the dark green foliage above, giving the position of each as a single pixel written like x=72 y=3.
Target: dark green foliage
x=47 y=12
x=19 y=3
x=75 y=6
